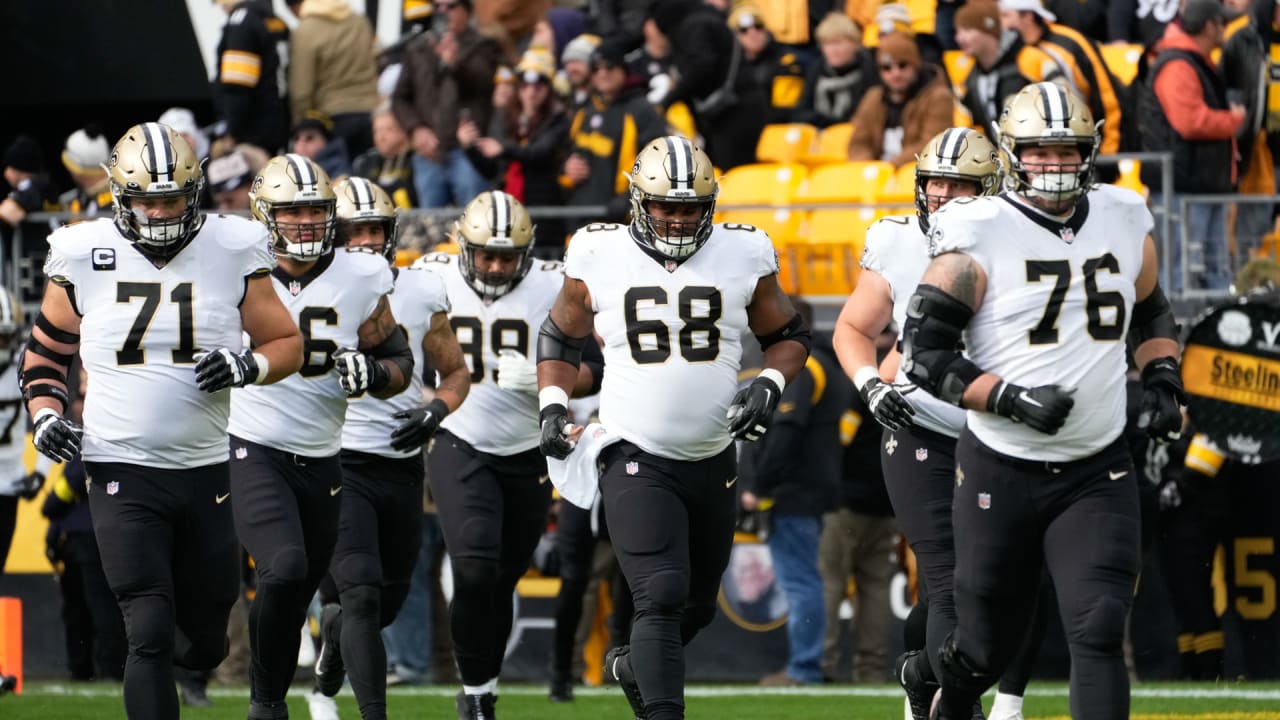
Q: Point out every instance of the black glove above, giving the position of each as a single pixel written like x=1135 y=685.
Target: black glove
x=222 y=369
x=56 y=437
x=30 y=485
x=752 y=409
x=888 y=405
x=555 y=441
x=1043 y=408
x=358 y=372
x=1162 y=400
x=419 y=425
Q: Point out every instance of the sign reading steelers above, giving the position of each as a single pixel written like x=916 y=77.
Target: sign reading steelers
x=1231 y=371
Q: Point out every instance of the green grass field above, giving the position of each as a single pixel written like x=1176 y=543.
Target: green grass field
x=1157 y=701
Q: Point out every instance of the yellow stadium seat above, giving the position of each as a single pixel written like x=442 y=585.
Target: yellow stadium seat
x=848 y=227
x=823 y=268
x=781 y=224
x=1131 y=177
x=763 y=184
x=832 y=145
x=1122 y=61
x=902 y=188
x=785 y=143
x=958 y=66
x=861 y=181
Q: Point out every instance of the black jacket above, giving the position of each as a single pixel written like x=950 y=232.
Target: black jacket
x=862 y=486
x=797 y=463
x=540 y=158
x=247 y=90
x=1199 y=166
x=609 y=136
x=1008 y=80
x=832 y=94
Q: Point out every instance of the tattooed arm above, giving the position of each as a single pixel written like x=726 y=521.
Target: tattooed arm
x=381 y=337
x=440 y=345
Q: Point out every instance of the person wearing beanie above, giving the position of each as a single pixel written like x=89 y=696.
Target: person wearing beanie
x=896 y=119
x=1002 y=63
x=575 y=61
x=84 y=155
x=835 y=85
x=777 y=69
x=729 y=106
x=24 y=174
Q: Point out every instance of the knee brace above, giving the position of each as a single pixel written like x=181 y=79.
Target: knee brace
x=667 y=590
x=149 y=625
x=361 y=601
x=1103 y=627
x=962 y=672
x=472 y=574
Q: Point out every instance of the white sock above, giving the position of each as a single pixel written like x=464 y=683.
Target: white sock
x=1006 y=705
x=489 y=687
x=493 y=686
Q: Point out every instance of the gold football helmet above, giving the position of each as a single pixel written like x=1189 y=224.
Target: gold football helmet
x=361 y=201
x=293 y=181
x=672 y=170
x=955 y=154
x=1044 y=114
x=154 y=163
x=494 y=222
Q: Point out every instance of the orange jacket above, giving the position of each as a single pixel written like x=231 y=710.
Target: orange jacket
x=1178 y=89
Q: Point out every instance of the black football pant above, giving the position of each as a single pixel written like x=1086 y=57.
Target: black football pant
x=379 y=534
x=493 y=511
x=8 y=523
x=919 y=474
x=671 y=523
x=576 y=541
x=1190 y=534
x=1013 y=517
x=170 y=555
x=96 y=645
x=286 y=512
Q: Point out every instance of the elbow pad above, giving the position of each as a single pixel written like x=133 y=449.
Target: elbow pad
x=795 y=329
x=396 y=349
x=1153 y=318
x=554 y=344
x=931 y=341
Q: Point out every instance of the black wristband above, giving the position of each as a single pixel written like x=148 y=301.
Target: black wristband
x=438 y=408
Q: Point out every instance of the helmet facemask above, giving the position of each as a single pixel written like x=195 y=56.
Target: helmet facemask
x=153 y=162
x=493 y=285
x=160 y=237
x=362 y=203
x=498 y=224
x=677 y=239
x=302 y=241
x=289 y=182
x=955 y=154
x=673 y=171
x=1065 y=182
x=342 y=236
x=1049 y=115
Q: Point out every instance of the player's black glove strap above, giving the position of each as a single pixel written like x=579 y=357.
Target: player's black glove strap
x=555 y=441
x=1043 y=408
x=888 y=405
x=222 y=369
x=1162 y=400
x=30 y=485
x=418 y=426
x=751 y=411
x=56 y=437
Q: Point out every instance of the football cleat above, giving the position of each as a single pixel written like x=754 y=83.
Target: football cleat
x=268 y=711
x=561 y=690
x=919 y=691
x=476 y=707
x=617 y=667
x=329 y=668
x=321 y=707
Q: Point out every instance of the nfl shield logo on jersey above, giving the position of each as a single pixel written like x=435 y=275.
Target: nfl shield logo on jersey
x=922 y=454
x=113 y=487
x=984 y=501
x=1068 y=235
x=295 y=287
x=633 y=467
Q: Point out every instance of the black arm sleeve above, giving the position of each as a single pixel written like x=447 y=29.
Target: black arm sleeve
x=931 y=341
x=396 y=349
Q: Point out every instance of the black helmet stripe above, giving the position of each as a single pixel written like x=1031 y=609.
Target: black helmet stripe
x=302 y=171
x=680 y=153
x=160 y=153
x=951 y=144
x=1056 y=108
x=501 y=214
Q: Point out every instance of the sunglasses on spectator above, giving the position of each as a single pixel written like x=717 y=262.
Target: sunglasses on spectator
x=743 y=30
x=886 y=67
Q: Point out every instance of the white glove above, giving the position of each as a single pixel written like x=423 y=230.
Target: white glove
x=358 y=372
x=516 y=373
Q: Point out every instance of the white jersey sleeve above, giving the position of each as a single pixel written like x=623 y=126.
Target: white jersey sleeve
x=303 y=413
x=141 y=327
x=13 y=432
x=1058 y=302
x=493 y=420
x=418 y=296
x=672 y=333
x=898 y=251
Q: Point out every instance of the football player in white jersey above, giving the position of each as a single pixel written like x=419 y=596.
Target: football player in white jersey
x=379 y=524
x=918 y=453
x=141 y=296
x=285 y=471
x=487 y=477
x=1044 y=282
x=671 y=296
x=15 y=482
